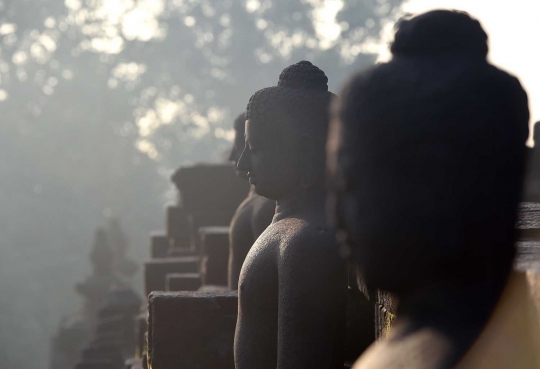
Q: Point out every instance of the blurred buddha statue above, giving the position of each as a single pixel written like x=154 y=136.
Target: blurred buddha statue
x=427 y=156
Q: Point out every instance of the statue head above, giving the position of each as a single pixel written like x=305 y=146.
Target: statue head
x=239 y=142
x=286 y=130
x=427 y=158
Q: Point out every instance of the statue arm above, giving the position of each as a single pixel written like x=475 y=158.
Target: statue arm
x=312 y=295
x=240 y=241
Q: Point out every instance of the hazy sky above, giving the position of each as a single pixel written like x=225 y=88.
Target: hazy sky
x=514 y=32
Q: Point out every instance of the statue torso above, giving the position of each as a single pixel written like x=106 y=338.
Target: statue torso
x=264 y=276
x=252 y=217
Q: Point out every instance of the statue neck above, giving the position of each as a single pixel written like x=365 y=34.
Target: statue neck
x=449 y=308
x=302 y=202
x=251 y=191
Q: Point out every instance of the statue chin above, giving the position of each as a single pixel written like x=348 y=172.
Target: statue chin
x=260 y=190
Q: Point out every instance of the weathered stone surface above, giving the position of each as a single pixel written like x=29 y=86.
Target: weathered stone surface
x=159 y=245
x=183 y=282
x=210 y=195
x=178 y=226
x=177 y=252
x=529 y=220
x=155 y=271
x=214 y=255
x=385 y=313
x=191 y=330
x=213 y=288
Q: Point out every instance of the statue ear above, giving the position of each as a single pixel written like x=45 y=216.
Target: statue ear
x=306 y=162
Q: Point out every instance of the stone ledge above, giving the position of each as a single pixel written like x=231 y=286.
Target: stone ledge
x=155 y=271
x=191 y=330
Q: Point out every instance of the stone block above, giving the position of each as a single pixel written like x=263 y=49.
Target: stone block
x=191 y=330
x=210 y=194
x=214 y=255
x=210 y=187
x=155 y=271
x=213 y=288
x=178 y=252
x=183 y=282
x=159 y=245
x=178 y=226
x=529 y=221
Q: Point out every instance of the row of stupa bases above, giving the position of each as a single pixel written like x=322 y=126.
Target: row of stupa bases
x=188 y=319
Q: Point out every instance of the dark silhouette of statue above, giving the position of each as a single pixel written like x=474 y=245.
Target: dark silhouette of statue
x=293 y=282
x=252 y=217
x=95 y=289
x=427 y=153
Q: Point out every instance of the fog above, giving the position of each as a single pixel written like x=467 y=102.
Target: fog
x=101 y=99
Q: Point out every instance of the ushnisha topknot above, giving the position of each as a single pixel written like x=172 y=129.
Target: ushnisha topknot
x=440 y=33
x=303 y=75
x=300 y=101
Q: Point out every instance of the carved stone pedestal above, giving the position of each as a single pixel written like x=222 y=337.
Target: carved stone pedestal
x=191 y=330
x=155 y=271
x=159 y=245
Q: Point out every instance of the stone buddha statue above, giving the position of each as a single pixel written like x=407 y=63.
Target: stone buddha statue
x=292 y=287
x=427 y=156
x=252 y=217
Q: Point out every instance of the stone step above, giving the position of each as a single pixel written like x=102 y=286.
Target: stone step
x=155 y=271
x=183 y=282
x=215 y=255
x=191 y=329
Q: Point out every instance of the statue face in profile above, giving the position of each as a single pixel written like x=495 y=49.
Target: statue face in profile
x=238 y=147
x=272 y=165
x=238 y=144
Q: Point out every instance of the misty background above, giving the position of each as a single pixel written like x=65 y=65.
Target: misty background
x=101 y=99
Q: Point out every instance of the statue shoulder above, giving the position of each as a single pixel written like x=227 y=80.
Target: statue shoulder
x=306 y=239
